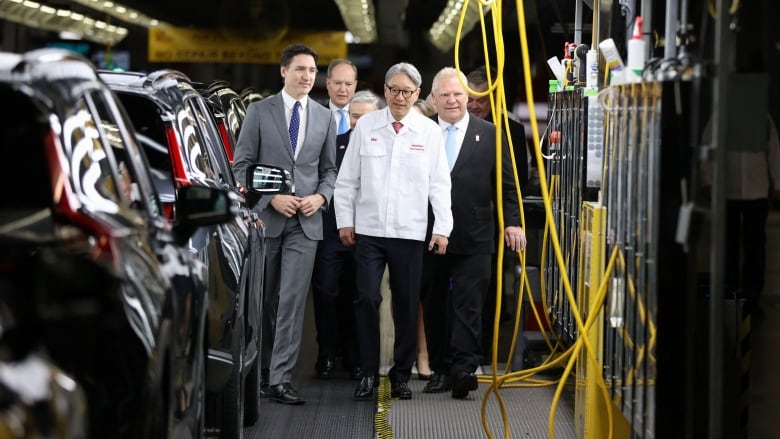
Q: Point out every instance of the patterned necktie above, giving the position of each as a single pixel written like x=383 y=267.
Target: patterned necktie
x=295 y=124
x=397 y=126
x=449 y=145
x=343 y=125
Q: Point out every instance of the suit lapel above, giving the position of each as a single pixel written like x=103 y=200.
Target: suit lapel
x=280 y=120
x=472 y=144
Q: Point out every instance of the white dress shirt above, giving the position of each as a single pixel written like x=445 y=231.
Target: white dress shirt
x=460 y=133
x=387 y=180
x=335 y=111
x=289 y=102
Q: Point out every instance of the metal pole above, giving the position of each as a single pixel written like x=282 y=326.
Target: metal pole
x=594 y=33
x=724 y=66
x=578 y=21
x=670 y=39
x=629 y=5
x=647 y=26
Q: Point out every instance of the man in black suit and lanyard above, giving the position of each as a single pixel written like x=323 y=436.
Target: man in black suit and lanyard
x=333 y=282
x=454 y=283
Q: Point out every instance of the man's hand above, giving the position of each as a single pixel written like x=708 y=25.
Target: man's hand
x=287 y=205
x=347 y=236
x=438 y=244
x=515 y=238
x=310 y=204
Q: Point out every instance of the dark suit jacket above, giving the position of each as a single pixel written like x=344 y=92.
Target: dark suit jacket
x=264 y=138
x=329 y=230
x=517 y=132
x=474 y=194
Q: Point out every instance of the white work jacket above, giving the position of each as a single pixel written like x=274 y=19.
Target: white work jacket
x=386 y=179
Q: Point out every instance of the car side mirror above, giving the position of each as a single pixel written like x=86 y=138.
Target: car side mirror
x=266 y=179
x=198 y=206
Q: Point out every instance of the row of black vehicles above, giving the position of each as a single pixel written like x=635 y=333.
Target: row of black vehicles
x=131 y=268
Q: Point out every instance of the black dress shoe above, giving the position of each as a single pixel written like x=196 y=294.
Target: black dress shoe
x=285 y=394
x=400 y=391
x=438 y=383
x=462 y=383
x=324 y=366
x=365 y=389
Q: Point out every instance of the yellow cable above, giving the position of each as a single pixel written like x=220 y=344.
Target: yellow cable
x=735 y=5
x=495 y=88
x=548 y=209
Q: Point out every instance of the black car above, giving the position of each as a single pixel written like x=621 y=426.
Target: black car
x=181 y=139
x=229 y=110
x=37 y=399
x=112 y=296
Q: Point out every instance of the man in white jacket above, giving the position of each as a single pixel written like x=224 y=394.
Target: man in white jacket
x=394 y=167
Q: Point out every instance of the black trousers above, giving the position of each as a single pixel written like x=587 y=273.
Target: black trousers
x=746 y=246
x=452 y=291
x=403 y=259
x=333 y=288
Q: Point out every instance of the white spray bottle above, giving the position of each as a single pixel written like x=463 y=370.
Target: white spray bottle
x=637 y=53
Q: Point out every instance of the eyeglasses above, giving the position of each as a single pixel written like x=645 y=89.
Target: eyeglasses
x=394 y=91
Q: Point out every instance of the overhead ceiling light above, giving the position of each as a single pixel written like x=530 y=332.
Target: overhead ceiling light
x=359 y=18
x=121 y=12
x=39 y=16
x=443 y=32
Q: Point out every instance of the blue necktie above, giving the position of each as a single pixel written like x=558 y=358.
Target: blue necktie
x=449 y=145
x=295 y=124
x=343 y=125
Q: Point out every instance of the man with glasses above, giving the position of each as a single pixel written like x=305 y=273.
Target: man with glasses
x=394 y=167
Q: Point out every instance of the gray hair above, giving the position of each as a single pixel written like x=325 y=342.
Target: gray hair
x=408 y=70
x=338 y=62
x=367 y=97
x=479 y=77
x=446 y=72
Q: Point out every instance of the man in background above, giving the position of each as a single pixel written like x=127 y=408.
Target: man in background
x=752 y=178
x=332 y=314
x=479 y=106
x=333 y=284
x=341 y=85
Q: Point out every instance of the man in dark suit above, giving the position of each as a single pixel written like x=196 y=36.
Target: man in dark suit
x=296 y=133
x=332 y=313
x=479 y=106
x=454 y=283
x=333 y=284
